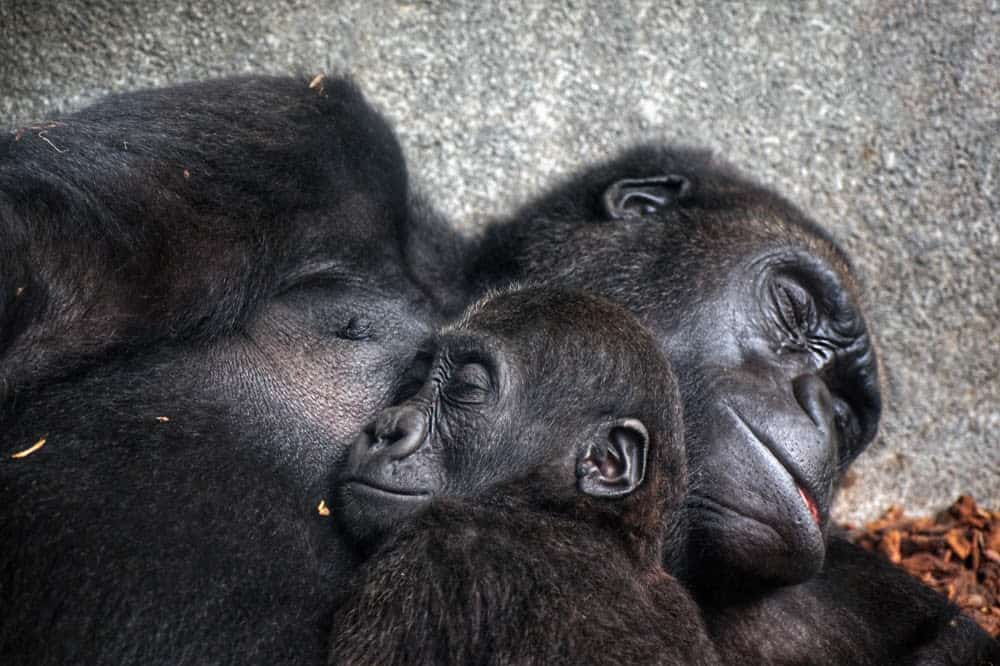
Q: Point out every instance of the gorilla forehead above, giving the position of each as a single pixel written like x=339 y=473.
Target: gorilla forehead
x=720 y=222
x=553 y=336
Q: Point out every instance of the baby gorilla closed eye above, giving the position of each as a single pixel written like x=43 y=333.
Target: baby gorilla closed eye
x=517 y=508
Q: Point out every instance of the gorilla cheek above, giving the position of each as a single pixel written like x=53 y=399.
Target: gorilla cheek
x=335 y=396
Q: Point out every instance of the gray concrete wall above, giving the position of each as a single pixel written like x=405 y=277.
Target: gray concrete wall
x=881 y=118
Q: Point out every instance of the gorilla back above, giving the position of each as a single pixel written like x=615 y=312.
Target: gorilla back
x=204 y=291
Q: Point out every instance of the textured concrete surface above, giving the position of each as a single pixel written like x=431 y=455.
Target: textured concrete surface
x=881 y=118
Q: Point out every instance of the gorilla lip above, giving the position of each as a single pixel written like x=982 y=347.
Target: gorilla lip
x=810 y=504
x=370 y=486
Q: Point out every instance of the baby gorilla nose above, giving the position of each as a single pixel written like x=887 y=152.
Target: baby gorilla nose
x=399 y=431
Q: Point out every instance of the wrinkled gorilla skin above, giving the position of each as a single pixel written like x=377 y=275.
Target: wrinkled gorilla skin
x=204 y=293
x=517 y=502
x=759 y=313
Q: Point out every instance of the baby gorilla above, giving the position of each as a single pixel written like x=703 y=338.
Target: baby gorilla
x=540 y=471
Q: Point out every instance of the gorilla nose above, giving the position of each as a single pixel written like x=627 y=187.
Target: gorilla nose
x=815 y=399
x=400 y=431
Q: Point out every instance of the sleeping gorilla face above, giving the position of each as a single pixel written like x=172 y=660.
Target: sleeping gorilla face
x=531 y=383
x=758 y=312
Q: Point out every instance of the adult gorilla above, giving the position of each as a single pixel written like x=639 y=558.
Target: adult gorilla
x=758 y=311
x=203 y=296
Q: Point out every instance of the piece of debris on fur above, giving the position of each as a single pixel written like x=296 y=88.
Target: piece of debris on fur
x=31 y=449
x=957 y=552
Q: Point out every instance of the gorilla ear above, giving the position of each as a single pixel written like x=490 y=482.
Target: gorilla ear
x=615 y=464
x=635 y=197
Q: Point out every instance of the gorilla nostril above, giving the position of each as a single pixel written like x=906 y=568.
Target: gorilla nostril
x=385 y=423
x=815 y=399
x=400 y=430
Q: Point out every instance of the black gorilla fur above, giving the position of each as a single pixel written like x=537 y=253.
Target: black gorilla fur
x=204 y=292
x=759 y=313
x=860 y=609
x=546 y=443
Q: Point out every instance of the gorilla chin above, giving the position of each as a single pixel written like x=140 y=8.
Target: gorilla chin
x=751 y=553
x=369 y=510
x=755 y=543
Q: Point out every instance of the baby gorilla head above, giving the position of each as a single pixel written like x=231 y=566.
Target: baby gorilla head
x=561 y=394
x=542 y=451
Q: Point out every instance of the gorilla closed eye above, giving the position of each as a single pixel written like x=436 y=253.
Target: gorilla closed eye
x=635 y=197
x=795 y=309
x=470 y=384
x=357 y=328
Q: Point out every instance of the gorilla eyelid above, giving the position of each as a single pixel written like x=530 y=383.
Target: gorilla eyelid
x=470 y=384
x=474 y=374
x=357 y=328
x=795 y=309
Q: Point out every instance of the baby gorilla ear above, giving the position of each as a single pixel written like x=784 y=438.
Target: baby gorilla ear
x=635 y=197
x=614 y=464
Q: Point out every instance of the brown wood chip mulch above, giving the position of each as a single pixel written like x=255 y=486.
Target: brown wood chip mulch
x=957 y=552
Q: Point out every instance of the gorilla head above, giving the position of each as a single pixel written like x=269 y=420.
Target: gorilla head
x=515 y=502
x=203 y=296
x=758 y=311
x=559 y=388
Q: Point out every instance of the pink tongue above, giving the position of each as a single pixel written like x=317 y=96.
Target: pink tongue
x=813 y=509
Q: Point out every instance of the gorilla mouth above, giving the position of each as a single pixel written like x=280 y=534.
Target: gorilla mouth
x=367 y=509
x=810 y=504
x=768 y=445
x=370 y=487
